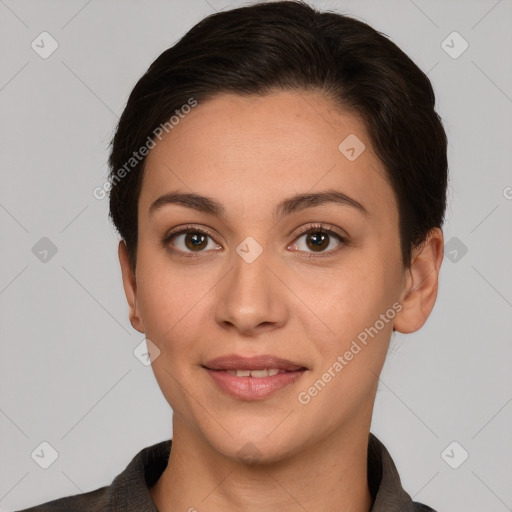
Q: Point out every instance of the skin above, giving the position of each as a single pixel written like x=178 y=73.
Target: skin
x=294 y=301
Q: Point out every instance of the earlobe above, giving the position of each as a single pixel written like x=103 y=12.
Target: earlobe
x=421 y=284
x=130 y=287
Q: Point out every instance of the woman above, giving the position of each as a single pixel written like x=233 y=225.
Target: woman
x=278 y=179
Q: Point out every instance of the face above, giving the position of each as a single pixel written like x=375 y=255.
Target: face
x=261 y=270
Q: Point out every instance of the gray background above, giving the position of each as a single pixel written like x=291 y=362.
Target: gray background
x=68 y=373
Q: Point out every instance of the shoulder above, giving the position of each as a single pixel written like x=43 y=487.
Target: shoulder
x=129 y=491
x=419 y=507
x=90 y=501
x=385 y=484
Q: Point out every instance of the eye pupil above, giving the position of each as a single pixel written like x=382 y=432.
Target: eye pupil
x=195 y=240
x=318 y=239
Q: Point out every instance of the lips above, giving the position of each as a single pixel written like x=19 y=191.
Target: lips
x=261 y=362
x=253 y=378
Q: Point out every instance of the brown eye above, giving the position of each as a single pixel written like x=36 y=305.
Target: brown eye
x=318 y=239
x=195 y=241
x=189 y=240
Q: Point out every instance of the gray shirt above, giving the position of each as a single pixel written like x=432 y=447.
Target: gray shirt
x=129 y=491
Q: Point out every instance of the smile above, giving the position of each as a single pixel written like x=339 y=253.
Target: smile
x=253 y=384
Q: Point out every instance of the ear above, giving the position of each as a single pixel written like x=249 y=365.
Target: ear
x=421 y=283
x=130 y=287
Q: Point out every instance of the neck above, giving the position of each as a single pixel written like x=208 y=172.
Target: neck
x=329 y=475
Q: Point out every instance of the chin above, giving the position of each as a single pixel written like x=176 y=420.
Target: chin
x=257 y=447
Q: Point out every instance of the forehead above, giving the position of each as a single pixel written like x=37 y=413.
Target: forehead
x=258 y=148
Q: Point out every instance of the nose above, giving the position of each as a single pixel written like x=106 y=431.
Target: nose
x=251 y=299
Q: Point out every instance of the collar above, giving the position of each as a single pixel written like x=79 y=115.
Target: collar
x=130 y=489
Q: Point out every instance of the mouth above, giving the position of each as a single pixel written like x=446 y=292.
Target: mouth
x=253 y=378
x=254 y=363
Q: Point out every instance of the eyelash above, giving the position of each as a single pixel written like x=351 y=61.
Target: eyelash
x=314 y=228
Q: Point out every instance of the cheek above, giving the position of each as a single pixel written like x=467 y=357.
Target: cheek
x=348 y=297
x=357 y=308
x=170 y=300
x=349 y=303
x=174 y=317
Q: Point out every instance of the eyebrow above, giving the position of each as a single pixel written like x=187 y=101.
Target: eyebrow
x=288 y=206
